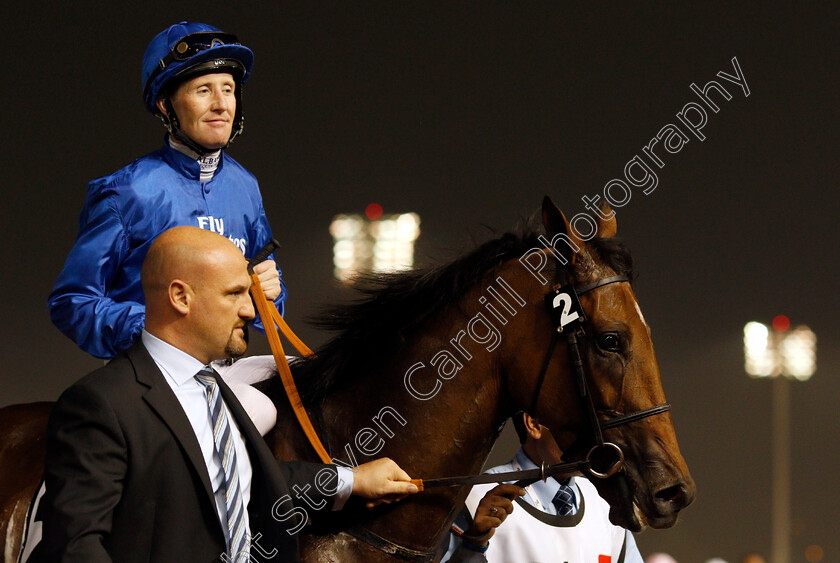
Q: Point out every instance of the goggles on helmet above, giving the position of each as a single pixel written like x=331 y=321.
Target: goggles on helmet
x=189 y=46
x=193 y=43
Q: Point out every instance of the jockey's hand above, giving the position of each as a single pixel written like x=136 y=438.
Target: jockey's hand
x=382 y=481
x=269 y=279
x=491 y=512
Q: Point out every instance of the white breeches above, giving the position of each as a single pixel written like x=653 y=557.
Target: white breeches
x=240 y=376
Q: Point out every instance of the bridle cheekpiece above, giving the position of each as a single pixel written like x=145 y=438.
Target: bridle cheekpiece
x=604 y=459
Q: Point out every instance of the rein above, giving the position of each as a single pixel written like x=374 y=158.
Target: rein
x=271 y=322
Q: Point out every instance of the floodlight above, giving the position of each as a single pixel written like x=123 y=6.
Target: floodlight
x=759 y=358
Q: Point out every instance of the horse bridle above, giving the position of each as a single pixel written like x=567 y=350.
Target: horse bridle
x=604 y=459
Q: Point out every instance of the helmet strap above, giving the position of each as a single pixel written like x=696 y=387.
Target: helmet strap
x=239 y=117
x=192 y=145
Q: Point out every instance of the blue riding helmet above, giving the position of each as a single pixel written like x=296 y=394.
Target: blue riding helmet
x=186 y=50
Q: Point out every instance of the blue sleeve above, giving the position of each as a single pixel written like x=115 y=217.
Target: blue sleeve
x=79 y=304
x=262 y=234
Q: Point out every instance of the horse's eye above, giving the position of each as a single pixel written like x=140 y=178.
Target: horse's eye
x=609 y=341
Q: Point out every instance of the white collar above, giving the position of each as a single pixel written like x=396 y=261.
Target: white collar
x=207 y=163
x=176 y=364
x=544 y=490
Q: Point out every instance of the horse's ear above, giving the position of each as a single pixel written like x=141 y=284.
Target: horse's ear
x=555 y=224
x=606 y=227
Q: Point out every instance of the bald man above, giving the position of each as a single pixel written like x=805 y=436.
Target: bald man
x=134 y=470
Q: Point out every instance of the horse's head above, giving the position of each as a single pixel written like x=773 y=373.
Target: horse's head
x=621 y=374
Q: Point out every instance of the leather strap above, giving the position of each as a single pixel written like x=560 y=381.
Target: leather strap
x=527 y=476
x=272 y=321
x=638 y=415
x=289 y=334
x=581 y=289
x=391 y=548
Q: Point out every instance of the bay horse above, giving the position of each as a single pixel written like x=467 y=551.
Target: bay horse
x=427 y=367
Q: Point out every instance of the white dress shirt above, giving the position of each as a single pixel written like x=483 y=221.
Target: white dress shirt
x=179 y=370
x=540 y=493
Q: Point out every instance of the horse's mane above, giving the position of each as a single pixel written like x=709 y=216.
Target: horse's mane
x=393 y=305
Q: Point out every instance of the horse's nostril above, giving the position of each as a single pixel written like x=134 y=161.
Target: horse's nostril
x=674 y=496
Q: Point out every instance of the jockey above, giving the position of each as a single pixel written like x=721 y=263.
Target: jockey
x=193 y=75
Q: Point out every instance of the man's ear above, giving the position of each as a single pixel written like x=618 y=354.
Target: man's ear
x=180 y=296
x=533 y=427
x=161 y=105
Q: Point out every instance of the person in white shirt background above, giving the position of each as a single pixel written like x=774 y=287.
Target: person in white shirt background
x=545 y=521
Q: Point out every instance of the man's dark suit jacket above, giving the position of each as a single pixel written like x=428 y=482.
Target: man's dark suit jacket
x=126 y=480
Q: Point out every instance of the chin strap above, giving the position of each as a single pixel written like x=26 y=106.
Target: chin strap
x=272 y=321
x=179 y=136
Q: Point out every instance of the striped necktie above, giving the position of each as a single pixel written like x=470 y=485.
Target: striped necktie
x=563 y=500
x=236 y=536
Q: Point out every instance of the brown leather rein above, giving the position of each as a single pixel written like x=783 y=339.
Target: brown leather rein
x=272 y=321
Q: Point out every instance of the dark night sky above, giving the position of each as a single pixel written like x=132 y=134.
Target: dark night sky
x=468 y=115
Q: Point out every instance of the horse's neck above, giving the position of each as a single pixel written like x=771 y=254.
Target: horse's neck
x=450 y=434
x=452 y=429
x=402 y=408
x=379 y=415
x=432 y=421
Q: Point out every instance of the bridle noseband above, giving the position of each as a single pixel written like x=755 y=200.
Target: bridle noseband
x=604 y=459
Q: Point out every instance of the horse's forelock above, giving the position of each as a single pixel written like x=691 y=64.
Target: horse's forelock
x=603 y=255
